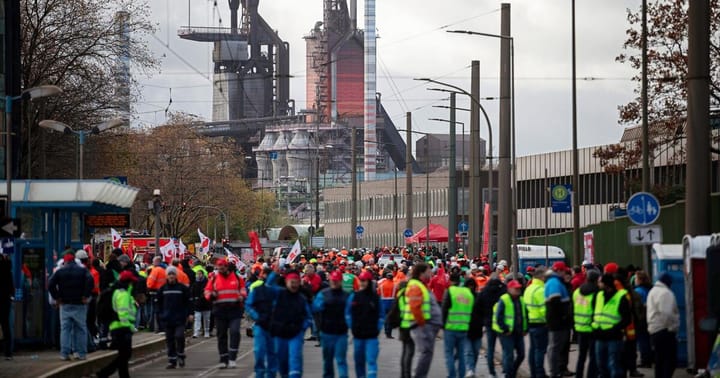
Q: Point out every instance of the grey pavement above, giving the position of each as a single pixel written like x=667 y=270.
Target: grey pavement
x=202 y=361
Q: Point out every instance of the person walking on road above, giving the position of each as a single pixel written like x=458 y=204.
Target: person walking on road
x=457 y=306
x=156 y=279
x=201 y=306
x=424 y=316
x=663 y=323
x=227 y=293
x=259 y=307
x=408 y=346
x=510 y=323
x=121 y=330
x=611 y=315
x=534 y=298
x=386 y=290
x=559 y=321
x=583 y=308
x=330 y=305
x=175 y=311
x=488 y=297
x=71 y=286
x=364 y=316
x=290 y=318
x=473 y=343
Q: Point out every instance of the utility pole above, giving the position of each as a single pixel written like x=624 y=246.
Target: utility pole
x=576 y=237
x=697 y=181
x=475 y=190
x=408 y=174
x=504 y=188
x=452 y=192
x=646 y=177
x=353 y=211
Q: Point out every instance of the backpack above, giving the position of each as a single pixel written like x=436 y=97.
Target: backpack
x=105 y=312
x=393 y=317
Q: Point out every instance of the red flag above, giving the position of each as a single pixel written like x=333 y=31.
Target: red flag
x=131 y=249
x=486 y=230
x=255 y=244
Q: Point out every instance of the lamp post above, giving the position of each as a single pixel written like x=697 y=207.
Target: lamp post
x=462 y=176
x=82 y=134
x=157 y=201
x=227 y=230
x=513 y=166
x=30 y=93
x=427 y=191
x=489 y=157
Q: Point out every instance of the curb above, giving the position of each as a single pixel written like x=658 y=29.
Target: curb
x=141 y=353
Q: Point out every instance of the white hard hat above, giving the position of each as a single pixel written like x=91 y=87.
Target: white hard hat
x=81 y=254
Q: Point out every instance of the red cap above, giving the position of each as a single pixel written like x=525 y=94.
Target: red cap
x=611 y=268
x=127 y=275
x=366 y=276
x=336 y=275
x=514 y=284
x=559 y=266
x=221 y=262
x=530 y=269
x=68 y=257
x=292 y=276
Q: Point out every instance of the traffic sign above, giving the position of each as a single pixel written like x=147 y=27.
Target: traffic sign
x=359 y=230
x=463 y=226
x=273 y=155
x=645 y=235
x=643 y=208
x=408 y=233
x=10 y=228
x=358 y=236
x=561 y=198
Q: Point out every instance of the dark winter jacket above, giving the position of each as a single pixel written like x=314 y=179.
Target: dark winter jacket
x=330 y=304
x=476 y=320
x=558 y=304
x=173 y=301
x=487 y=298
x=112 y=271
x=197 y=295
x=71 y=283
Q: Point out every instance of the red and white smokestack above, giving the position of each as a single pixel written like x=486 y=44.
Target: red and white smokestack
x=370 y=90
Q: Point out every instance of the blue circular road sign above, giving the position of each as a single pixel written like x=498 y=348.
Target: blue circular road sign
x=463 y=226
x=359 y=229
x=408 y=233
x=643 y=208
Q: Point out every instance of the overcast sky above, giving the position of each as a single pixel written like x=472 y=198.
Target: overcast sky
x=414 y=43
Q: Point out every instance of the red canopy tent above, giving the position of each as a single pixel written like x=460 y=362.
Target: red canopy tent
x=438 y=234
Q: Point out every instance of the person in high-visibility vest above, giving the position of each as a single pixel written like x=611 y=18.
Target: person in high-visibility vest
x=534 y=298
x=510 y=323
x=583 y=308
x=611 y=315
x=386 y=290
x=457 y=308
x=422 y=315
x=559 y=321
x=122 y=329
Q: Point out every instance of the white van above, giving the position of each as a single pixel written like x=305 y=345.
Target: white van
x=531 y=255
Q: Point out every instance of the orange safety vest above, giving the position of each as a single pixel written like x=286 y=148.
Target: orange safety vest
x=156 y=279
x=182 y=277
x=386 y=288
x=481 y=282
x=230 y=289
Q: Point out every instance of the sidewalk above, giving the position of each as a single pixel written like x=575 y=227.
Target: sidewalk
x=47 y=363
x=524 y=370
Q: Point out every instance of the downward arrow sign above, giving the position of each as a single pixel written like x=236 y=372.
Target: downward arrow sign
x=640 y=236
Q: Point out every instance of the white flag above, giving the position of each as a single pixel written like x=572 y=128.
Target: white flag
x=232 y=259
x=116 y=238
x=168 y=250
x=294 y=252
x=204 y=243
x=182 y=249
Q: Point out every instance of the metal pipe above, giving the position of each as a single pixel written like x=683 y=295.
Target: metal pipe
x=646 y=184
x=452 y=192
x=354 y=193
x=408 y=174
x=577 y=247
x=395 y=208
x=427 y=197
x=475 y=191
x=504 y=189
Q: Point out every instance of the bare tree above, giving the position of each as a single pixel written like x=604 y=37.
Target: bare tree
x=77 y=45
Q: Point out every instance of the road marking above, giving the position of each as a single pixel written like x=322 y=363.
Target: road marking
x=163 y=355
x=215 y=369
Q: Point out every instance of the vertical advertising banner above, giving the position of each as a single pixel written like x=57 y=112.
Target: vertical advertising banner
x=589 y=243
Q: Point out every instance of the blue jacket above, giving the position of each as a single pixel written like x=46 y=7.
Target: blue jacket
x=330 y=303
x=173 y=302
x=71 y=283
x=259 y=305
x=280 y=307
x=558 y=305
x=360 y=310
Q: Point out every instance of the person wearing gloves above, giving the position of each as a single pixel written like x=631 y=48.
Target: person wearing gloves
x=663 y=320
x=365 y=318
x=122 y=329
x=173 y=300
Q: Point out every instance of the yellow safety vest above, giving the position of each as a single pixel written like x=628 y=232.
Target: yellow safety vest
x=461 y=305
x=607 y=315
x=406 y=315
x=583 y=311
x=534 y=299
x=509 y=320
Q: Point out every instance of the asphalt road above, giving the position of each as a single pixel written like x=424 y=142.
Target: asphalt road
x=202 y=361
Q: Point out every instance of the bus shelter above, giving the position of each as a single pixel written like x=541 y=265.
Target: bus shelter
x=51 y=216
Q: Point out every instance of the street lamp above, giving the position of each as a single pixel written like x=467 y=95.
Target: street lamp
x=427 y=191
x=82 y=134
x=28 y=94
x=489 y=157
x=157 y=204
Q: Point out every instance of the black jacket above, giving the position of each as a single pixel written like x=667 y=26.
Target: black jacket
x=108 y=276
x=365 y=312
x=476 y=320
x=332 y=316
x=71 y=283
x=197 y=294
x=492 y=292
x=173 y=302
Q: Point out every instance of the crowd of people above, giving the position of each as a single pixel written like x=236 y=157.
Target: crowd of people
x=612 y=313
